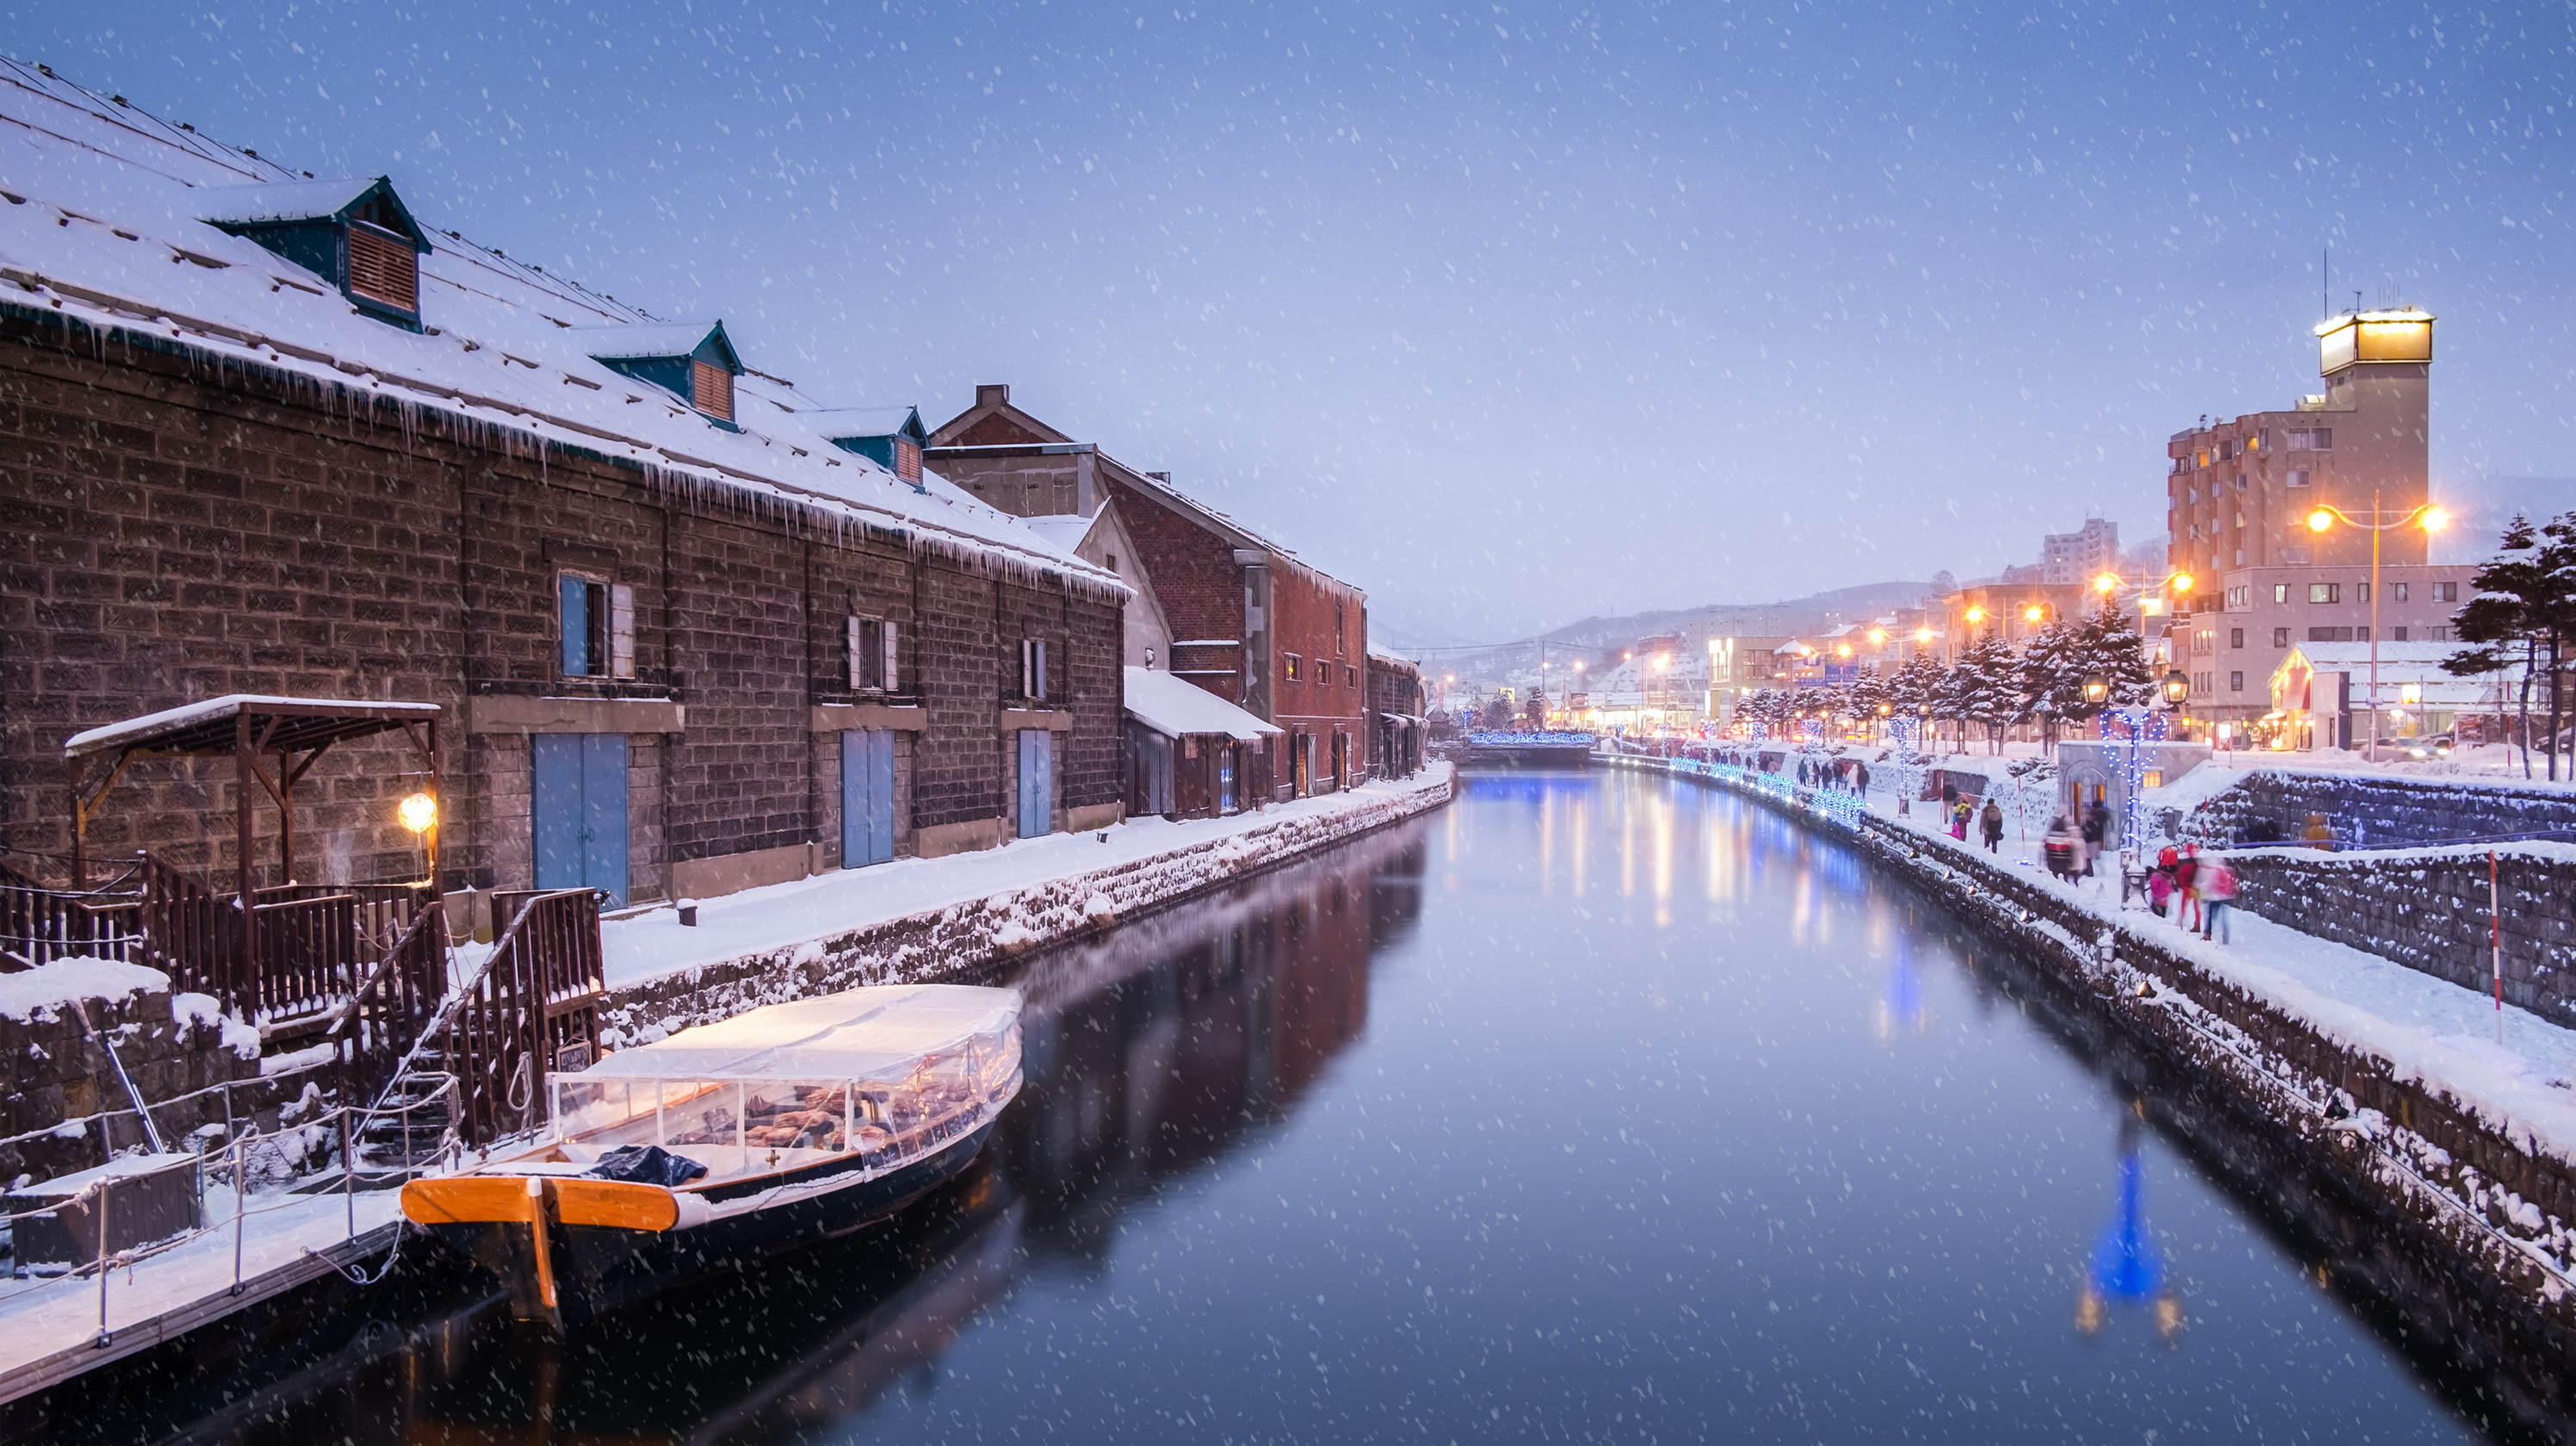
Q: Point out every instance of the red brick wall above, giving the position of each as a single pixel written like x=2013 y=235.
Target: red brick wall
x=1329 y=696
x=172 y=530
x=1196 y=580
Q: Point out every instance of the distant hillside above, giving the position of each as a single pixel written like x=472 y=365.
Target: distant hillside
x=1785 y=618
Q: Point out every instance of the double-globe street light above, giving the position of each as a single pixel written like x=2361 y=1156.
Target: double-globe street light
x=2143 y=725
x=2323 y=519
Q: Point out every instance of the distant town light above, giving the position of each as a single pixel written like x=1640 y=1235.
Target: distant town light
x=2182 y=582
x=2434 y=518
x=2107 y=583
x=2320 y=520
x=1922 y=635
x=1976 y=615
x=2033 y=613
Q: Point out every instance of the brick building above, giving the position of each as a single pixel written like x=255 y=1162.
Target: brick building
x=1250 y=622
x=686 y=637
x=1397 y=705
x=2240 y=494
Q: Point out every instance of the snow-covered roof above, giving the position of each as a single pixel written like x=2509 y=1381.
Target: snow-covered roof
x=2394 y=658
x=283 y=200
x=103 y=205
x=1064 y=529
x=880 y=1032
x=629 y=340
x=173 y=725
x=1175 y=708
x=845 y=422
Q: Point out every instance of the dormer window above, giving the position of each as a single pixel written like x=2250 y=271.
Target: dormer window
x=353 y=232
x=692 y=360
x=891 y=437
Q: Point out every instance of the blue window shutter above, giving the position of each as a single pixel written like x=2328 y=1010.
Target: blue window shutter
x=576 y=625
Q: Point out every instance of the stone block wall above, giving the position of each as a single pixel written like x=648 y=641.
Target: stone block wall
x=56 y=1071
x=2272 y=805
x=173 y=529
x=2428 y=910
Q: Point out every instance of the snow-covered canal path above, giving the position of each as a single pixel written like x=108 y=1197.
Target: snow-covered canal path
x=1589 y=1108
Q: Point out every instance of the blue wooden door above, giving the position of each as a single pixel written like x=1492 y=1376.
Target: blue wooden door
x=1037 y=783
x=867 y=797
x=578 y=805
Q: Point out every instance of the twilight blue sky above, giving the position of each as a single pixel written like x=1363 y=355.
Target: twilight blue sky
x=1508 y=313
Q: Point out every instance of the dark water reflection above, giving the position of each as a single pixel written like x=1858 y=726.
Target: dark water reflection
x=1583 y=1110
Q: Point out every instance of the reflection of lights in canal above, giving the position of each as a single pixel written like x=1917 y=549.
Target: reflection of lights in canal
x=2126 y=1268
x=1901 y=1001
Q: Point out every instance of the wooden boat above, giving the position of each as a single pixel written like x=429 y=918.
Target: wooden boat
x=720 y=1144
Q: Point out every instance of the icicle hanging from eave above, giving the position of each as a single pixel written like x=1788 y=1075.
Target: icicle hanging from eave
x=812 y=517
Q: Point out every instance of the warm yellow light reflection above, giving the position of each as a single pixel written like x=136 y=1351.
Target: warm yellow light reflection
x=419 y=813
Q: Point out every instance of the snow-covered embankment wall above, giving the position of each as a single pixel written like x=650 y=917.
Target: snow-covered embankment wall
x=959 y=939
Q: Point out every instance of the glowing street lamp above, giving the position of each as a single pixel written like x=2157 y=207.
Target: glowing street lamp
x=2430 y=518
x=1976 y=615
x=419 y=813
x=2033 y=613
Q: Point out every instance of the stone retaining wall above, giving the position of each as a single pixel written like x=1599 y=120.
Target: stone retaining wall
x=2427 y=910
x=2272 y=805
x=58 y=1072
x=2441 y=1182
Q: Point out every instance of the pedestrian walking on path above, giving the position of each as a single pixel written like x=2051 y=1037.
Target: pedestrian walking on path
x=2063 y=849
x=1991 y=823
x=2097 y=828
x=2216 y=881
x=1959 y=812
x=2187 y=910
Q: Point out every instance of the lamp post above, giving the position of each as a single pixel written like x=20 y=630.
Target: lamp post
x=2326 y=516
x=419 y=813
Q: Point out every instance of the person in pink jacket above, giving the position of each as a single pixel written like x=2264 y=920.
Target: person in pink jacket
x=2215 y=882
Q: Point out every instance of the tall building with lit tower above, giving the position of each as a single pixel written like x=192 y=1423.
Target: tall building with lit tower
x=2268 y=513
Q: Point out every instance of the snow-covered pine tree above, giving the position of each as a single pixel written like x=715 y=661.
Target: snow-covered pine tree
x=2109 y=647
x=2049 y=679
x=1990 y=692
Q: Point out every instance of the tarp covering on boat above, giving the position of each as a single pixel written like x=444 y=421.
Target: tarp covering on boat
x=873 y=1033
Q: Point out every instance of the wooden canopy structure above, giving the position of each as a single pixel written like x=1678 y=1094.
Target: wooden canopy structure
x=250 y=728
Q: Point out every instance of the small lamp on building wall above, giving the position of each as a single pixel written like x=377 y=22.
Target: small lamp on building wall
x=419 y=813
x=2177 y=688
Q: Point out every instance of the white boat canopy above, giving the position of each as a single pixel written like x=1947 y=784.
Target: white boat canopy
x=881 y=1032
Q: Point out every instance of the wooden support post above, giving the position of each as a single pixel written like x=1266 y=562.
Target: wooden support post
x=246 y=769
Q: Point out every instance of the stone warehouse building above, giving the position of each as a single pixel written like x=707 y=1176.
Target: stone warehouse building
x=689 y=630
x=1249 y=621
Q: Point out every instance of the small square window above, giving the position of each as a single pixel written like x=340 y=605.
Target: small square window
x=2397 y=592
x=2280 y=592
x=2235 y=682
x=2397 y=635
x=1033 y=669
x=2325 y=592
x=1294 y=663
x=2235 y=637
x=2280 y=637
x=2446 y=592
x=2361 y=592
x=597 y=627
x=872 y=644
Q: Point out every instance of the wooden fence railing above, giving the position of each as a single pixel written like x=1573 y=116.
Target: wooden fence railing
x=39 y=925
x=381 y=1027
x=531 y=1009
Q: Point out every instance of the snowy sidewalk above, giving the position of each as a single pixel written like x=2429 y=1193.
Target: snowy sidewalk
x=785 y=916
x=2430 y=1030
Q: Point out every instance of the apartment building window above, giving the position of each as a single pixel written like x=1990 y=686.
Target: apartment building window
x=2235 y=637
x=2280 y=592
x=2318 y=439
x=1341 y=642
x=598 y=622
x=2240 y=597
x=2280 y=637
x=2298 y=477
x=1295 y=666
x=1033 y=669
x=2445 y=592
x=2361 y=592
x=2236 y=682
x=2397 y=592
x=2325 y=592
x=872 y=654
x=1350 y=676
x=2205 y=640
x=2397 y=635
x=2336 y=635
x=2437 y=635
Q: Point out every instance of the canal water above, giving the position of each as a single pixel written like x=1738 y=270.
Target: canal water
x=1591 y=1108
